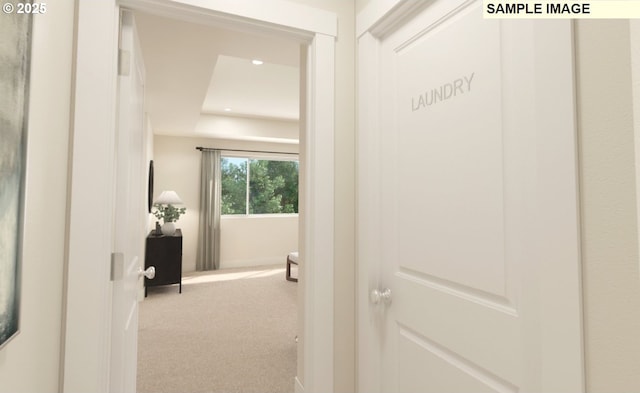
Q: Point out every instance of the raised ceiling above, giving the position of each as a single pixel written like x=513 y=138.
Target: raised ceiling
x=194 y=71
x=238 y=86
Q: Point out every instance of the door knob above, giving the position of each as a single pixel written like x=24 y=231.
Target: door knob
x=150 y=273
x=384 y=295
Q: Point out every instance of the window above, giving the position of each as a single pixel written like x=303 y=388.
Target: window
x=259 y=186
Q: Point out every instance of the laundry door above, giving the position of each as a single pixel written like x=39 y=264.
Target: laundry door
x=467 y=222
x=130 y=211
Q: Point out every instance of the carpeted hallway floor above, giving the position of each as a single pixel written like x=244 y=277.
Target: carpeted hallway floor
x=229 y=331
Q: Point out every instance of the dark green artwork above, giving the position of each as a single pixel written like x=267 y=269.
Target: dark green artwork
x=15 y=48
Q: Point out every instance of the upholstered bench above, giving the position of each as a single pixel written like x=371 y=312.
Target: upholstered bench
x=292 y=258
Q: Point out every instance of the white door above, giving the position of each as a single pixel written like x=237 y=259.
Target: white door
x=129 y=225
x=468 y=248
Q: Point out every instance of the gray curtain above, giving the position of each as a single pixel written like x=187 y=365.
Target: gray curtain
x=208 y=257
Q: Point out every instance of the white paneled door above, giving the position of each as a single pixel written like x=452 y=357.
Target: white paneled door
x=469 y=273
x=129 y=229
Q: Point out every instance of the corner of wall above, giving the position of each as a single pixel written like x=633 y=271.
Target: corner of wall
x=609 y=200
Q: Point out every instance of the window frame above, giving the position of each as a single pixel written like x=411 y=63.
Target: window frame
x=248 y=156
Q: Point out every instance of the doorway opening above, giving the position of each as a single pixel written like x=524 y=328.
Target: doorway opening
x=236 y=91
x=88 y=312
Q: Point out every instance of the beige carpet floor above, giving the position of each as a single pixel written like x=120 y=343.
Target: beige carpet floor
x=230 y=331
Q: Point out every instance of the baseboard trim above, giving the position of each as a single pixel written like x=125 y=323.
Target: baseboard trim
x=298 y=388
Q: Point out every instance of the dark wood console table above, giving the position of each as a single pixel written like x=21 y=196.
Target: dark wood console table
x=165 y=253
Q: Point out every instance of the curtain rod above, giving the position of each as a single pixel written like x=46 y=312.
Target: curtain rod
x=245 y=151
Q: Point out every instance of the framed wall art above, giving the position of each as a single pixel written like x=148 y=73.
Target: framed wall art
x=150 y=188
x=15 y=59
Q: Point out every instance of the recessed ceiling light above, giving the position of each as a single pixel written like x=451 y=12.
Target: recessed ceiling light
x=257 y=62
x=227 y=109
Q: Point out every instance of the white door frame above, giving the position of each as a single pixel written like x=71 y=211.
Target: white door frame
x=558 y=227
x=87 y=320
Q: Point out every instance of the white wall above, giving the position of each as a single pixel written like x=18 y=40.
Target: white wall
x=257 y=240
x=31 y=362
x=611 y=277
x=361 y=4
x=177 y=168
x=227 y=127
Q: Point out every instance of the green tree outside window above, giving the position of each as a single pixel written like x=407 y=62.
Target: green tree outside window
x=272 y=186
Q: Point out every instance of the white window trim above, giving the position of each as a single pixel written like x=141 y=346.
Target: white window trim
x=266 y=157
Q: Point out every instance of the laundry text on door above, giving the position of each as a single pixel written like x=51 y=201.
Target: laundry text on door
x=442 y=93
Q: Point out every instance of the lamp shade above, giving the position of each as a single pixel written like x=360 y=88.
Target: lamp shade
x=169 y=198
